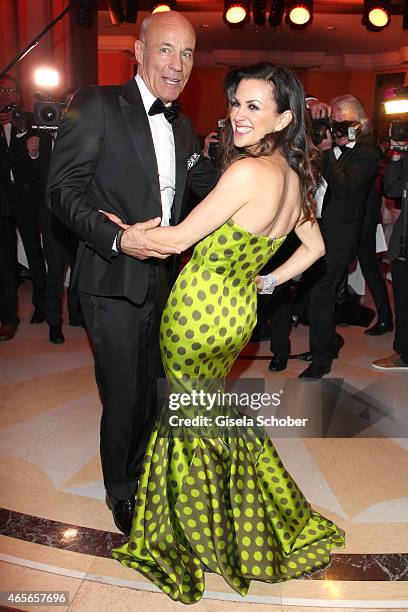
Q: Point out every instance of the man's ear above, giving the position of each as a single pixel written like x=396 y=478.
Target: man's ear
x=139 y=48
x=283 y=121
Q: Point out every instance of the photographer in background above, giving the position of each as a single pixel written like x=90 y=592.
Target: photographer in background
x=348 y=166
x=19 y=207
x=395 y=184
x=60 y=242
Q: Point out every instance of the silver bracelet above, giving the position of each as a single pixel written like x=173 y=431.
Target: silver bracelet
x=269 y=284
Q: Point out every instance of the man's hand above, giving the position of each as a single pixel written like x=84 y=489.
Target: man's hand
x=318 y=109
x=211 y=137
x=5 y=118
x=397 y=147
x=33 y=146
x=136 y=243
x=326 y=143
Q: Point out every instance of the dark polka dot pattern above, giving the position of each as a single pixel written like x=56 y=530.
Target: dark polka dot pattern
x=226 y=504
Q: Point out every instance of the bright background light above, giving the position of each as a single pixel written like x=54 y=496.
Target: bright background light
x=235 y=14
x=299 y=15
x=161 y=8
x=378 y=17
x=393 y=107
x=46 y=77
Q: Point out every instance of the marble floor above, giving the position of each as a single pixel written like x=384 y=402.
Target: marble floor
x=56 y=533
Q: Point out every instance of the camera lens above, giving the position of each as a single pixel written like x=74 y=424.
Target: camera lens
x=48 y=114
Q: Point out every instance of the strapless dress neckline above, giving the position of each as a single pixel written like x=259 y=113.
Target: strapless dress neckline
x=240 y=227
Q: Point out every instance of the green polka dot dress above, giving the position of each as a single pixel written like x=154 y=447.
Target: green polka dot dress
x=223 y=503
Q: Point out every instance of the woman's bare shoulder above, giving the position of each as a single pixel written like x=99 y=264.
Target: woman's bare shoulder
x=267 y=168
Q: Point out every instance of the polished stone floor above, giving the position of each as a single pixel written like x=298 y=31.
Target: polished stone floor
x=56 y=533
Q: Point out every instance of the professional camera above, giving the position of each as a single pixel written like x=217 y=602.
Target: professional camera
x=319 y=129
x=48 y=114
x=399 y=131
x=213 y=149
x=17 y=113
x=338 y=129
x=396 y=103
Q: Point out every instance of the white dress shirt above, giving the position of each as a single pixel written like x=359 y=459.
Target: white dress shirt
x=163 y=140
x=321 y=190
x=7 y=132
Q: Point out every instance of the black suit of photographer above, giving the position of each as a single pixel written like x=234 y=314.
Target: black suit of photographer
x=20 y=207
x=60 y=246
x=394 y=179
x=349 y=180
x=367 y=256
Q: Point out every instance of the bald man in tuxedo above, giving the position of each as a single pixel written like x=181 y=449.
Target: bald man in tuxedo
x=126 y=150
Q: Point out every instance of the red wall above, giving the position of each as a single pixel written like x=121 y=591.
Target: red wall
x=114 y=68
x=203 y=99
x=327 y=85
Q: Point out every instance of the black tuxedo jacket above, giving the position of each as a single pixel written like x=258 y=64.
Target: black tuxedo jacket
x=15 y=157
x=104 y=159
x=394 y=181
x=349 y=180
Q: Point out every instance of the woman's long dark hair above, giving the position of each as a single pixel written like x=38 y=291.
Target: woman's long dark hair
x=293 y=141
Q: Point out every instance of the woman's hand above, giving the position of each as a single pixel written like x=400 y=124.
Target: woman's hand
x=115 y=219
x=259 y=283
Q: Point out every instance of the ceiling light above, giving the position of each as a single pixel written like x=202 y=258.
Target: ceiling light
x=376 y=15
x=299 y=14
x=163 y=7
x=236 y=13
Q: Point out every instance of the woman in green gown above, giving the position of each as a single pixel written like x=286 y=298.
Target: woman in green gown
x=221 y=499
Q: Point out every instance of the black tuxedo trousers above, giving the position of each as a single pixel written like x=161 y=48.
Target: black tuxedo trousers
x=8 y=271
x=323 y=280
x=25 y=217
x=60 y=247
x=399 y=271
x=125 y=341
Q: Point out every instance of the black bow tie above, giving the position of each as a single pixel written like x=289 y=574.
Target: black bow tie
x=343 y=148
x=170 y=112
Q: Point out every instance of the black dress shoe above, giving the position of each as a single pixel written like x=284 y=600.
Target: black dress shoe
x=278 y=363
x=56 y=336
x=38 y=316
x=122 y=511
x=314 y=372
x=380 y=328
x=8 y=331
